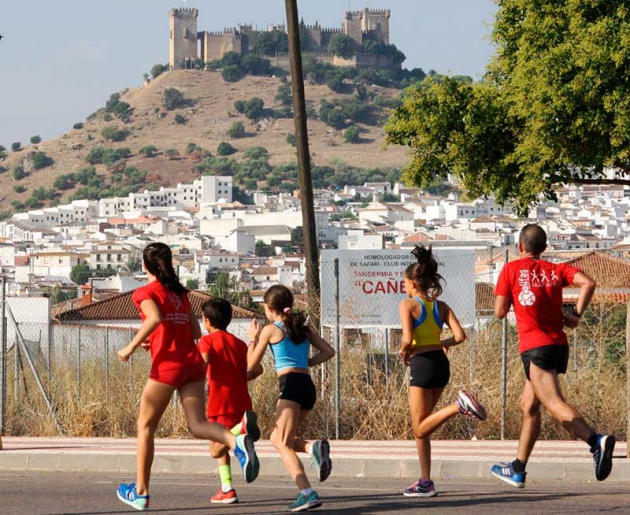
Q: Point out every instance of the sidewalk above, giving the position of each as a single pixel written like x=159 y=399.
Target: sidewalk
x=452 y=459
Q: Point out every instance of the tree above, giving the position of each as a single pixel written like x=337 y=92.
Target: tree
x=341 y=45
x=113 y=133
x=18 y=172
x=268 y=43
x=17 y=146
x=232 y=73
x=148 y=151
x=179 y=119
x=240 y=105
x=77 y=126
x=41 y=160
x=255 y=65
x=173 y=98
x=554 y=107
x=158 y=69
x=79 y=274
x=236 y=130
x=171 y=153
x=291 y=139
x=255 y=108
x=225 y=287
x=192 y=284
x=35 y=140
x=334 y=80
x=284 y=95
x=19 y=188
x=352 y=134
x=225 y=149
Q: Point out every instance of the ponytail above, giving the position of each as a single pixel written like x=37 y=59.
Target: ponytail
x=280 y=299
x=158 y=260
x=424 y=273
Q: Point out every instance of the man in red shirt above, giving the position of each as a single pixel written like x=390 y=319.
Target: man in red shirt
x=229 y=403
x=534 y=287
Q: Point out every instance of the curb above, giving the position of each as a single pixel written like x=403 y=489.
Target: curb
x=272 y=466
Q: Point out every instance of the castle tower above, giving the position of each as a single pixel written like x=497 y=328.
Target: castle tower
x=352 y=26
x=376 y=22
x=183 y=36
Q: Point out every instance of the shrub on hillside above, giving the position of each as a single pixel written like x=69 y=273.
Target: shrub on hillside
x=232 y=73
x=148 y=151
x=291 y=139
x=19 y=188
x=225 y=149
x=35 y=140
x=284 y=95
x=173 y=99
x=41 y=160
x=77 y=126
x=236 y=130
x=171 y=153
x=239 y=106
x=16 y=146
x=254 y=108
x=18 y=172
x=179 y=119
x=113 y=133
x=158 y=69
x=352 y=134
x=106 y=156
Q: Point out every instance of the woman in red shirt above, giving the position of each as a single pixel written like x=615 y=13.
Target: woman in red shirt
x=171 y=329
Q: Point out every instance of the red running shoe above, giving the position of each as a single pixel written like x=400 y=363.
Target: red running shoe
x=222 y=497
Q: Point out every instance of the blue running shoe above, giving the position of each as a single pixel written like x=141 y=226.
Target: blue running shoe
x=602 y=456
x=321 y=459
x=127 y=493
x=306 y=502
x=505 y=472
x=246 y=455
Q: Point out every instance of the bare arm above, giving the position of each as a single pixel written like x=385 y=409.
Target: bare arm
x=587 y=288
x=152 y=320
x=325 y=351
x=502 y=306
x=253 y=373
x=255 y=357
x=406 y=319
x=459 y=336
x=193 y=323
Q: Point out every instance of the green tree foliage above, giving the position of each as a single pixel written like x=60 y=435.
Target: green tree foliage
x=16 y=147
x=179 y=119
x=232 y=73
x=106 y=156
x=171 y=153
x=554 y=107
x=114 y=106
x=80 y=274
x=148 y=151
x=291 y=139
x=192 y=284
x=255 y=65
x=35 y=140
x=225 y=149
x=173 y=99
x=158 y=69
x=254 y=109
x=18 y=172
x=41 y=160
x=225 y=287
x=77 y=126
x=334 y=80
x=284 y=95
x=113 y=133
x=43 y=194
x=19 y=188
x=341 y=45
x=58 y=294
x=268 y=43
x=236 y=130
x=240 y=105
x=352 y=134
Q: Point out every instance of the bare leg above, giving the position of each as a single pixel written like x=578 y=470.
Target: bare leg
x=193 y=400
x=153 y=403
x=422 y=402
x=530 y=430
x=288 y=416
x=547 y=390
x=300 y=445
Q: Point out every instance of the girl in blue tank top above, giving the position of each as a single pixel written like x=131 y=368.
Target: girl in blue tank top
x=290 y=340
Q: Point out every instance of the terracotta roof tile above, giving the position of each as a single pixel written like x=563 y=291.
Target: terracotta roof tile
x=121 y=307
x=608 y=272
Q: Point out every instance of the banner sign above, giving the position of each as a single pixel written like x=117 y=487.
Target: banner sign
x=371 y=285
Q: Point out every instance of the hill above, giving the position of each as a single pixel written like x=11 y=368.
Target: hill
x=207 y=117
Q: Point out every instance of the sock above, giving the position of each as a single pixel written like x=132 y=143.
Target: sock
x=519 y=466
x=592 y=441
x=225 y=473
x=306 y=492
x=236 y=430
x=425 y=483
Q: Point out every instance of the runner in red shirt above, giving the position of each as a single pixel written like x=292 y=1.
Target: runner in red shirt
x=171 y=329
x=229 y=403
x=534 y=287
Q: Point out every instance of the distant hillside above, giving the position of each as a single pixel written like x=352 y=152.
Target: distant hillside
x=207 y=121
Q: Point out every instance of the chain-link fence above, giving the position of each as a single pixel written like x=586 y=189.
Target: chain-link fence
x=61 y=375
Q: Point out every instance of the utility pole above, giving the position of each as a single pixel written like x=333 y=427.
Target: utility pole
x=303 y=154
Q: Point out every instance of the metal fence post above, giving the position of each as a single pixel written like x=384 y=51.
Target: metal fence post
x=79 y=368
x=3 y=358
x=107 y=365
x=472 y=356
x=387 y=354
x=504 y=364
x=16 y=370
x=337 y=356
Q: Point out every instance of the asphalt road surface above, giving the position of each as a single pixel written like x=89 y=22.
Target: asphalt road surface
x=28 y=493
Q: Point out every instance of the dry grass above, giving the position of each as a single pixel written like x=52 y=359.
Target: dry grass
x=373 y=404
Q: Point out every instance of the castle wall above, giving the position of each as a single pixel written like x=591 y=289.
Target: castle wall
x=352 y=26
x=183 y=36
x=314 y=37
x=377 y=22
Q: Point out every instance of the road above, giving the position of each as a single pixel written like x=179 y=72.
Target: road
x=30 y=493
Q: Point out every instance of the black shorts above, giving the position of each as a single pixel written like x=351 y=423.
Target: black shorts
x=298 y=388
x=430 y=369
x=548 y=357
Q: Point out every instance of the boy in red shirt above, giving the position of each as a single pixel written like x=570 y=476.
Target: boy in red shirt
x=534 y=287
x=229 y=403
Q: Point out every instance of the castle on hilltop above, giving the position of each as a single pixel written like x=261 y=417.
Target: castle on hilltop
x=187 y=43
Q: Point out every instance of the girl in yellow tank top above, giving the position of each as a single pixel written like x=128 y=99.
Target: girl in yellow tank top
x=422 y=348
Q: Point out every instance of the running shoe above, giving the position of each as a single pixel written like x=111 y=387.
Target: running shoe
x=321 y=459
x=469 y=406
x=222 y=497
x=306 y=502
x=127 y=493
x=505 y=472
x=602 y=456
x=420 y=489
x=246 y=455
x=249 y=425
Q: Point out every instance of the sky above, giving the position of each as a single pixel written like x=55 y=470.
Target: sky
x=61 y=59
